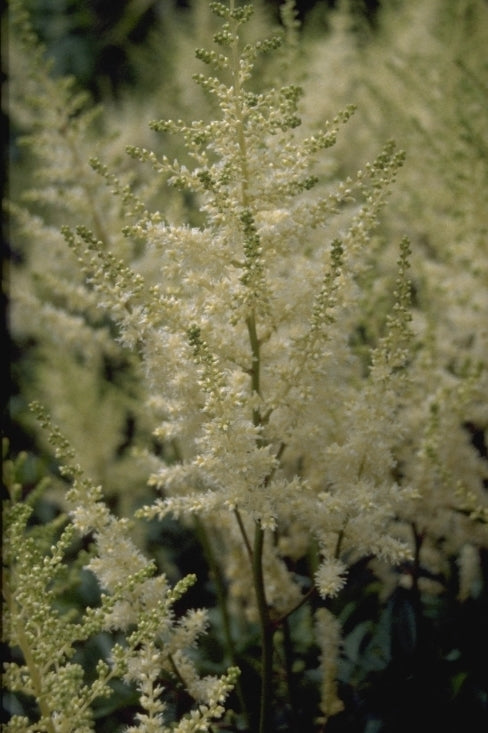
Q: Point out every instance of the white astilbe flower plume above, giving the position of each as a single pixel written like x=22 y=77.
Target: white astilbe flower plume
x=330 y=577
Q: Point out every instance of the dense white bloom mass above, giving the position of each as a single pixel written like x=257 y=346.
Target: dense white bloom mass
x=330 y=577
x=246 y=340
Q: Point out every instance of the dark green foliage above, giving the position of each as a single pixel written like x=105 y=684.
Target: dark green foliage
x=415 y=662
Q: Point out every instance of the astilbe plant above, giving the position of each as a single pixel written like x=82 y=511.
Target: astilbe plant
x=152 y=649
x=425 y=72
x=280 y=440
x=275 y=353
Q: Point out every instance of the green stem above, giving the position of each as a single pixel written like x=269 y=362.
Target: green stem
x=256 y=553
x=267 y=628
x=255 y=348
x=266 y=631
x=256 y=363
x=311 y=592
x=244 y=534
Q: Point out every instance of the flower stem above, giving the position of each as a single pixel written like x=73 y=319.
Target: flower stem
x=267 y=631
x=244 y=534
x=256 y=553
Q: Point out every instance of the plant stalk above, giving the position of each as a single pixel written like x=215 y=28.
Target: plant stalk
x=267 y=631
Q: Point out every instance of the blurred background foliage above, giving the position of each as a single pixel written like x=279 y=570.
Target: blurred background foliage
x=97 y=40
